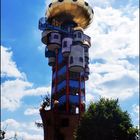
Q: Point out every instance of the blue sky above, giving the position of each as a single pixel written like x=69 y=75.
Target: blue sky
x=25 y=75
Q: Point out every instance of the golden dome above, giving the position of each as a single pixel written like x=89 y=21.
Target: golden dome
x=77 y=11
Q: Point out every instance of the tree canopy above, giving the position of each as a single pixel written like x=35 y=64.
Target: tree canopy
x=105 y=120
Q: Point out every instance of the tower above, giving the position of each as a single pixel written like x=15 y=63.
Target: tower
x=67 y=51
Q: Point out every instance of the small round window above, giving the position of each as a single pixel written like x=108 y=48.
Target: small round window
x=86 y=3
x=50 y=4
x=74 y=0
x=60 y=0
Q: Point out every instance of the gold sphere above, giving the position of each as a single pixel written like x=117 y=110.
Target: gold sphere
x=56 y=102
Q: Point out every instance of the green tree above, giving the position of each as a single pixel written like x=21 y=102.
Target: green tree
x=105 y=120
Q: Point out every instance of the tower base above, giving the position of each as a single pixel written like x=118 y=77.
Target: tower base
x=58 y=126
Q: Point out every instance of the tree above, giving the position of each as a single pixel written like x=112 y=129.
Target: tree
x=46 y=103
x=2 y=135
x=105 y=120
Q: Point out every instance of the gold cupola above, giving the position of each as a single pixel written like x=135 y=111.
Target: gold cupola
x=65 y=11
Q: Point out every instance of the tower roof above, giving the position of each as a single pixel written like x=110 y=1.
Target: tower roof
x=64 y=11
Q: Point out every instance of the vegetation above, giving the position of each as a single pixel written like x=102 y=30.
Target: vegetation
x=105 y=120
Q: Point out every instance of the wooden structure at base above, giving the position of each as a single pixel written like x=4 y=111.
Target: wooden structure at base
x=58 y=126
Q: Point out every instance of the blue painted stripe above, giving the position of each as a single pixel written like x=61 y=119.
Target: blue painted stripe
x=82 y=85
x=73 y=99
x=61 y=85
x=54 y=75
x=74 y=84
x=60 y=57
x=62 y=71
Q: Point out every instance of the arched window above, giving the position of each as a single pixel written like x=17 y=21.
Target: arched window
x=79 y=35
x=64 y=44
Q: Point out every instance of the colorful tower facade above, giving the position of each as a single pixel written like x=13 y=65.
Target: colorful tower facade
x=67 y=50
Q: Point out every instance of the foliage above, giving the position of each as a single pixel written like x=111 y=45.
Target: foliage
x=105 y=120
x=46 y=101
x=2 y=135
x=38 y=124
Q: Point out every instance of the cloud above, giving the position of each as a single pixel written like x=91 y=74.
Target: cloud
x=12 y=91
x=135 y=114
x=41 y=48
x=8 y=66
x=23 y=130
x=136 y=108
x=31 y=111
x=118 y=34
x=114 y=36
x=101 y=3
x=112 y=81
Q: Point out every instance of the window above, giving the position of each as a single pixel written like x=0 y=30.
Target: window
x=71 y=60
x=64 y=44
x=55 y=36
x=74 y=0
x=60 y=0
x=79 y=35
x=50 y=4
x=77 y=110
x=86 y=59
x=81 y=59
x=74 y=35
x=86 y=3
x=86 y=49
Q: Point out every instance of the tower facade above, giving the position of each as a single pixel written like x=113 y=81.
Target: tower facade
x=67 y=50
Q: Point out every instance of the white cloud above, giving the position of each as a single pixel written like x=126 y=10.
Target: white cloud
x=23 y=135
x=12 y=91
x=113 y=81
x=31 y=111
x=118 y=34
x=12 y=123
x=136 y=109
x=135 y=114
x=41 y=48
x=89 y=98
x=8 y=66
x=27 y=131
x=100 y=3
x=114 y=40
